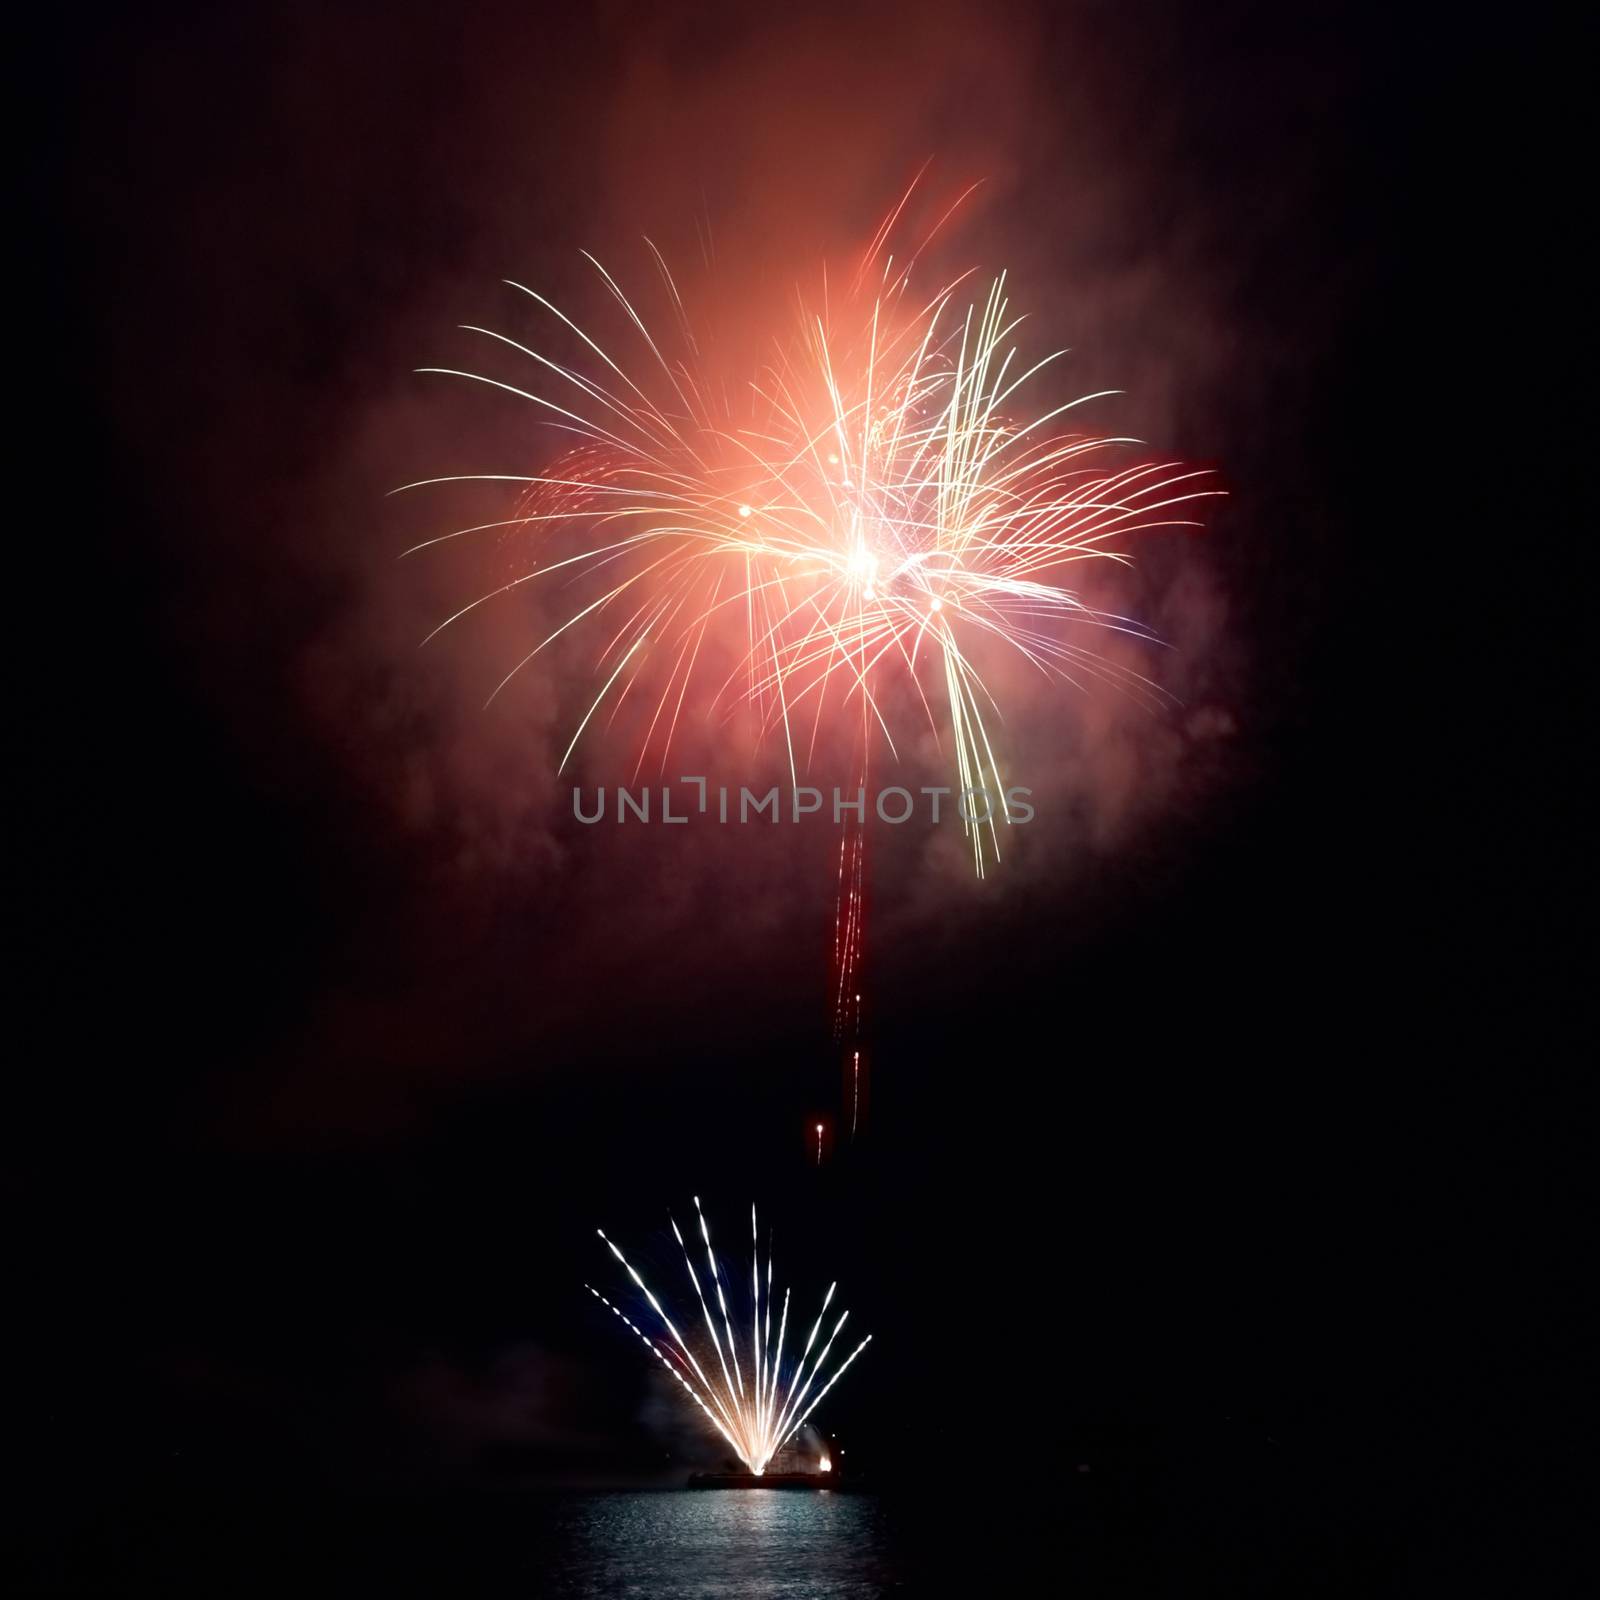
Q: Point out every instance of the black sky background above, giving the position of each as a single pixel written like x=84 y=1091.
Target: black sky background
x=1240 y=1163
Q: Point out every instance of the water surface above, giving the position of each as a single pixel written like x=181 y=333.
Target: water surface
x=742 y=1544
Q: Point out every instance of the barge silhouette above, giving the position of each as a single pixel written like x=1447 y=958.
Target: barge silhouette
x=765 y=1480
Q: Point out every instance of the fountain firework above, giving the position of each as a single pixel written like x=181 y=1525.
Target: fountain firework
x=757 y=1411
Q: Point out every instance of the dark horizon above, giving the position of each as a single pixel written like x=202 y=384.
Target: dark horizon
x=1228 y=1143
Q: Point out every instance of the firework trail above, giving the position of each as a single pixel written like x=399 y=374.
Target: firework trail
x=849 y=933
x=756 y=1419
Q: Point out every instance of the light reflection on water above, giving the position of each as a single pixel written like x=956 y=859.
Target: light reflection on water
x=742 y=1544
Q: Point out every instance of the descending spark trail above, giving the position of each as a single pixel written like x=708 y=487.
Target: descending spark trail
x=849 y=946
x=757 y=1422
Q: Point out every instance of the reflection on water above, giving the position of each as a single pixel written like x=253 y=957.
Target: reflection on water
x=747 y=1545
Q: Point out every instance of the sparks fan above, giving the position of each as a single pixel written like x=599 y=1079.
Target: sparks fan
x=755 y=1404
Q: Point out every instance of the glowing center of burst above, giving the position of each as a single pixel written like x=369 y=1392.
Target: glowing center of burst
x=826 y=1464
x=862 y=568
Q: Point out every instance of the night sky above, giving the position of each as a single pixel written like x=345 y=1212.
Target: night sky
x=1224 y=1142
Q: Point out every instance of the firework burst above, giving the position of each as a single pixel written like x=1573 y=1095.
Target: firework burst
x=878 y=504
x=757 y=1405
